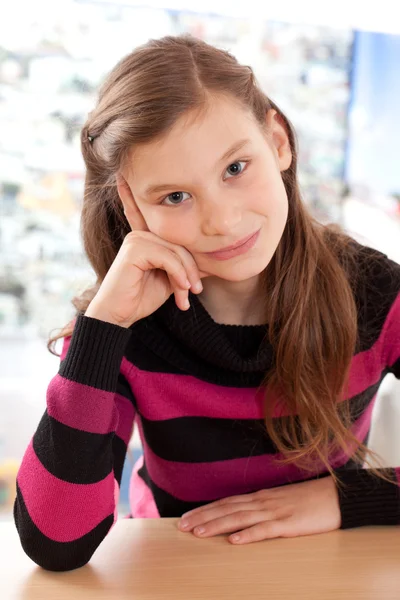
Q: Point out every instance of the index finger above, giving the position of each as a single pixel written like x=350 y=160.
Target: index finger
x=131 y=210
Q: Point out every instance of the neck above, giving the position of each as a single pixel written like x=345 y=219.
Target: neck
x=234 y=302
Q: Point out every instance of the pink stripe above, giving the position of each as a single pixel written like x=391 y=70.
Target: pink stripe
x=189 y=396
x=367 y=366
x=141 y=499
x=66 y=344
x=81 y=406
x=165 y=396
x=204 y=482
x=126 y=419
x=398 y=474
x=87 y=408
x=63 y=511
x=391 y=334
x=116 y=500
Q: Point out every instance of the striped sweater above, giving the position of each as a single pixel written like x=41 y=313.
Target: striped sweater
x=191 y=387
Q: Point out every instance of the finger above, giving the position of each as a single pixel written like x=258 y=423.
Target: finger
x=177 y=275
x=171 y=263
x=137 y=223
x=233 y=522
x=182 y=299
x=180 y=294
x=223 y=501
x=180 y=291
x=146 y=255
x=218 y=512
x=192 y=270
x=267 y=530
x=132 y=213
x=135 y=218
x=191 y=264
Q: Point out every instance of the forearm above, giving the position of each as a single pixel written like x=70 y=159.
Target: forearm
x=367 y=499
x=67 y=483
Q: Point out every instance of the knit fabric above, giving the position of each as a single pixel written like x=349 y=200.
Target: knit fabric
x=193 y=389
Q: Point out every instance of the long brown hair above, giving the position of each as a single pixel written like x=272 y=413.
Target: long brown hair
x=311 y=306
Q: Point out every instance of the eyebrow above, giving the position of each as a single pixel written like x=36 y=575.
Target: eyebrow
x=167 y=186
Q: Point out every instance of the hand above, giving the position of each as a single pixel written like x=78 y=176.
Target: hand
x=145 y=272
x=292 y=510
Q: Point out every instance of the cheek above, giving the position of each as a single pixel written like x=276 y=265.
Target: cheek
x=270 y=199
x=171 y=226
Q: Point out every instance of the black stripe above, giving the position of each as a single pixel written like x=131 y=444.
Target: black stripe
x=95 y=353
x=51 y=555
x=124 y=389
x=159 y=348
x=169 y=506
x=376 y=291
x=77 y=456
x=207 y=439
x=180 y=361
x=171 y=357
x=367 y=499
x=395 y=369
x=119 y=453
x=145 y=359
x=360 y=402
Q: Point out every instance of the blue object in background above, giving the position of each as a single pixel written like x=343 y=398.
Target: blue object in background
x=131 y=457
x=374 y=124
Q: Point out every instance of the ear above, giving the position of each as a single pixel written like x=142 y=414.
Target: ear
x=279 y=139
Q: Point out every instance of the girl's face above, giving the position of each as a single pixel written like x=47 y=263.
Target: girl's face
x=212 y=181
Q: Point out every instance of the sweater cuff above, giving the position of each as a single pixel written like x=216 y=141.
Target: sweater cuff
x=367 y=499
x=95 y=353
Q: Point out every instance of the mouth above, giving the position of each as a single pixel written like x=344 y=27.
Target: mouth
x=240 y=247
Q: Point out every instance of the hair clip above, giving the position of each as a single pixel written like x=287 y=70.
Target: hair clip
x=90 y=138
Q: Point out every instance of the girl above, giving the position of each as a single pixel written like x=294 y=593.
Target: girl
x=245 y=340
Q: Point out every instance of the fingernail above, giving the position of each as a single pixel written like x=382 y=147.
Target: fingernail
x=200 y=530
x=186 y=303
x=198 y=286
x=187 y=283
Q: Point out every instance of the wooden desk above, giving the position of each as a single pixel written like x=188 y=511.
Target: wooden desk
x=150 y=559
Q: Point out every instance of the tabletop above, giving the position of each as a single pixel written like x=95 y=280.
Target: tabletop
x=143 y=559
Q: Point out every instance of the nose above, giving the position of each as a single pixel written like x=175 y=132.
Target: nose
x=220 y=217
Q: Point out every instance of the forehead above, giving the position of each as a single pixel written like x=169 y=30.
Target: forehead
x=200 y=136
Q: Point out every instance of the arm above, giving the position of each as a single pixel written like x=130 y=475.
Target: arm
x=69 y=478
x=369 y=500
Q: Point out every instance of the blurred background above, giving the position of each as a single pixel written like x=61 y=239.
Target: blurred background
x=334 y=70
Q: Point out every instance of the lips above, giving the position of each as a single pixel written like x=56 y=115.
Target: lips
x=233 y=246
x=241 y=247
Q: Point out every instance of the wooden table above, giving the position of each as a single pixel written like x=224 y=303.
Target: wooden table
x=150 y=559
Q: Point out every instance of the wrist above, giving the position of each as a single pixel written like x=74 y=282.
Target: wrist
x=100 y=315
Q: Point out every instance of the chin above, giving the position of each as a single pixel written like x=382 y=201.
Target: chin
x=239 y=270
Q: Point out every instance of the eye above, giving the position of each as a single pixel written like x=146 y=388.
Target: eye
x=175 y=198
x=236 y=168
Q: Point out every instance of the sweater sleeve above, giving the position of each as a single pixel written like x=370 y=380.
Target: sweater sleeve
x=367 y=499
x=391 y=346
x=68 y=481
